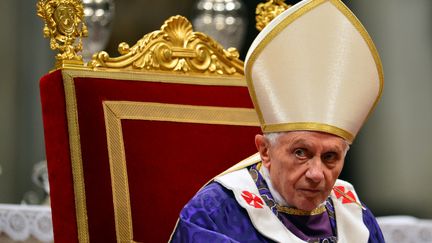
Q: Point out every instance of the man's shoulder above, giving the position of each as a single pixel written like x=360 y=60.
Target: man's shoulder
x=344 y=183
x=218 y=194
x=213 y=190
x=343 y=187
x=210 y=197
x=213 y=215
x=345 y=191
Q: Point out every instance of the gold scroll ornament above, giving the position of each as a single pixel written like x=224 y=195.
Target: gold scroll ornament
x=64 y=25
x=266 y=12
x=175 y=47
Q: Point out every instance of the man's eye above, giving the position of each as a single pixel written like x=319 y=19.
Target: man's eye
x=300 y=153
x=329 y=157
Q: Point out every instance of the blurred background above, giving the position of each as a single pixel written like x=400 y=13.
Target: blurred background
x=390 y=163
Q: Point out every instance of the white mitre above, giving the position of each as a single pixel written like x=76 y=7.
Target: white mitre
x=314 y=67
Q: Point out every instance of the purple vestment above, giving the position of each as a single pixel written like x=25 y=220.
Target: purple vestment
x=214 y=215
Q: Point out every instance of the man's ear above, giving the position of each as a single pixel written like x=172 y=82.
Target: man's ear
x=263 y=145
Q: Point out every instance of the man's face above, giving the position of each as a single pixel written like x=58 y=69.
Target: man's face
x=303 y=165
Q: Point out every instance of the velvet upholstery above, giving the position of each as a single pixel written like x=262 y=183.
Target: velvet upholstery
x=58 y=158
x=167 y=162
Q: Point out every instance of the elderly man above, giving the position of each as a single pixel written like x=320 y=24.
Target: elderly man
x=314 y=76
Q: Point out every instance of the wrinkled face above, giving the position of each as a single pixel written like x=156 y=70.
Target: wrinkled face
x=303 y=165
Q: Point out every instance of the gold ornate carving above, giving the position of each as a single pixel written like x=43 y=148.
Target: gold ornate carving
x=64 y=24
x=266 y=12
x=175 y=47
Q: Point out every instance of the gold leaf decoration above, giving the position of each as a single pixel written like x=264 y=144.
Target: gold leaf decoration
x=175 y=47
x=266 y=12
x=64 y=25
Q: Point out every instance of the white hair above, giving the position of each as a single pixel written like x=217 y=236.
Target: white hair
x=273 y=137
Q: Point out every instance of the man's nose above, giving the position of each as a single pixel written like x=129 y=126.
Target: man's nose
x=315 y=171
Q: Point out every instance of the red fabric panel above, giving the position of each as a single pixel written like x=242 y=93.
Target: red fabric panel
x=146 y=145
x=58 y=157
x=90 y=93
x=165 y=171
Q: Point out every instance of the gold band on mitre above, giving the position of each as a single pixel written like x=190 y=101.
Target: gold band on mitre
x=308 y=126
x=314 y=68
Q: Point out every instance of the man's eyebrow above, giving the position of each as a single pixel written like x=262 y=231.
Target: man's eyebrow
x=306 y=143
x=335 y=148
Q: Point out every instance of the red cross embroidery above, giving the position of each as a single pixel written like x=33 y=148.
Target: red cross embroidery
x=347 y=197
x=252 y=199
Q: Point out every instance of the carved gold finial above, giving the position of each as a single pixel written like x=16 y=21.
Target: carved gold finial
x=266 y=12
x=64 y=24
x=175 y=47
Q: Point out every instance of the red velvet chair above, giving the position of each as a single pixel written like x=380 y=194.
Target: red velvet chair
x=129 y=140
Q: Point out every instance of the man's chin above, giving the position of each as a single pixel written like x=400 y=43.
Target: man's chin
x=308 y=204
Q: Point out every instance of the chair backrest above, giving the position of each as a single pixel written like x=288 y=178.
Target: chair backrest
x=130 y=139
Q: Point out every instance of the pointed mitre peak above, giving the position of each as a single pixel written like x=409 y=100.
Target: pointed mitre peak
x=314 y=67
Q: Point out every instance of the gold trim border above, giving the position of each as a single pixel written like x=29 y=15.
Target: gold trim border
x=119 y=177
x=69 y=73
x=309 y=126
x=182 y=113
x=115 y=111
x=76 y=158
x=287 y=21
x=163 y=77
